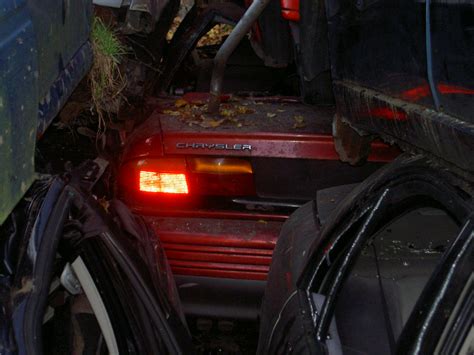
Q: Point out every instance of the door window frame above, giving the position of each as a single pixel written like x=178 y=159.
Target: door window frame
x=332 y=261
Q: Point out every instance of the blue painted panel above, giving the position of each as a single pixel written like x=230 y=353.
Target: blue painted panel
x=44 y=53
x=59 y=92
x=62 y=27
x=18 y=102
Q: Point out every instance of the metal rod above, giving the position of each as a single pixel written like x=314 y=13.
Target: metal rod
x=429 y=55
x=228 y=47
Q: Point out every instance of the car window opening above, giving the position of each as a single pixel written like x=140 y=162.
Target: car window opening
x=381 y=291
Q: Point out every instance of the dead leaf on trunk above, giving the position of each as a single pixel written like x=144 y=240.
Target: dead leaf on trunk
x=171 y=113
x=243 y=110
x=211 y=123
x=180 y=103
x=299 y=122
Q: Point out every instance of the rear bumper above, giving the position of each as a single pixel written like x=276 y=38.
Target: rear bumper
x=218 y=248
x=220 y=265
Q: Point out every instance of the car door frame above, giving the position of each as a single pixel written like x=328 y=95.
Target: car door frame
x=372 y=204
x=124 y=280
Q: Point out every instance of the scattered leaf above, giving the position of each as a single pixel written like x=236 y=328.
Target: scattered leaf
x=271 y=115
x=171 y=113
x=211 y=123
x=243 y=110
x=299 y=121
x=227 y=112
x=180 y=103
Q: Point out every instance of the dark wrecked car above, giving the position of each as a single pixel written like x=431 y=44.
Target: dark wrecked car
x=79 y=278
x=76 y=276
x=81 y=274
x=389 y=270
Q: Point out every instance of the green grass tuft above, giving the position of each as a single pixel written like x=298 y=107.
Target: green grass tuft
x=106 y=41
x=105 y=78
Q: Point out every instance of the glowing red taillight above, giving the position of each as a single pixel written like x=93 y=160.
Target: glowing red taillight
x=186 y=178
x=170 y=183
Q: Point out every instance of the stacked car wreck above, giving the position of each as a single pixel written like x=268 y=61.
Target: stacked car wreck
x=339 y=219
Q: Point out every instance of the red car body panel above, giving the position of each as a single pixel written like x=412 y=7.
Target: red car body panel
x=237 y=249
x=227 y=243
x=162 y=133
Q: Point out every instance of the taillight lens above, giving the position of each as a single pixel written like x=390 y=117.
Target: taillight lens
x=169 y=183
x=220 y=166
x=196 y=176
